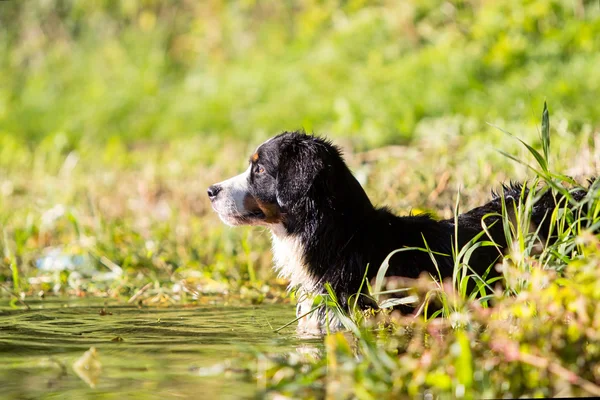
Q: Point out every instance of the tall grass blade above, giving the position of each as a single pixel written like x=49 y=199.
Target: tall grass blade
x=546 y=132
x=381 y=273
x=536 y=154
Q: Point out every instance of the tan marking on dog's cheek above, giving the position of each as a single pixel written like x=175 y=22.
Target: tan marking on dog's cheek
x=250 y=203
x=271 y=210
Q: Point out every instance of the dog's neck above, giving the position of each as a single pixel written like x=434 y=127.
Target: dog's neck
x=289 y=259
x=317 y=240
x=307 y=258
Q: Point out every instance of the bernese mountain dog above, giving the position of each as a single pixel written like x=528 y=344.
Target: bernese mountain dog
x=326 y=230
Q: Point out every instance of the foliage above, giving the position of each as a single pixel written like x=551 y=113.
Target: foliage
x=544 y=342
x=377 y=71
x=108 y=220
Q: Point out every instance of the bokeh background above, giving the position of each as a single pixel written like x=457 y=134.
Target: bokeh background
x=116 y=116
x=375 y=71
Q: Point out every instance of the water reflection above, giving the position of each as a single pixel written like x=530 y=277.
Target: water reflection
x=147 y=352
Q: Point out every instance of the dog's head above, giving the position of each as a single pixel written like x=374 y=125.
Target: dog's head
x=282 y=174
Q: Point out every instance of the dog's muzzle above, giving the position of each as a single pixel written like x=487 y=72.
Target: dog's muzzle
x=231 y=199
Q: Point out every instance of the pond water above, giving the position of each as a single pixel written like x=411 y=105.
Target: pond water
x=144 y=352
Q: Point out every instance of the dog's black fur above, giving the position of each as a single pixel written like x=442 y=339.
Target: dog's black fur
x=301 y=184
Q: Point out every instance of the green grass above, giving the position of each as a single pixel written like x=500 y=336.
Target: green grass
x=138 y=212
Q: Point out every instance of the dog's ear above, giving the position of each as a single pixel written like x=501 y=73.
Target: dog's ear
x=300 y=163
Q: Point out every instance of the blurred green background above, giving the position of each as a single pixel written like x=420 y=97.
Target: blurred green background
x=115 y=116
x=373 y=71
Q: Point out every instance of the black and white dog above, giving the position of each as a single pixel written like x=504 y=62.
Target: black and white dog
x=325 y=229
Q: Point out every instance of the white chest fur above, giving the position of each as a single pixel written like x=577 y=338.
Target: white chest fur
x=288 y=255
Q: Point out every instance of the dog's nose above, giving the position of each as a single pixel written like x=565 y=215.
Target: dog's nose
x=213 y=191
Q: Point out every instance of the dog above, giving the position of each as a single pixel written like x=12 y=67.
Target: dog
x=326 y=230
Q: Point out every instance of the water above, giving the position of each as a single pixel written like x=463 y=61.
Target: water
x=144 y=353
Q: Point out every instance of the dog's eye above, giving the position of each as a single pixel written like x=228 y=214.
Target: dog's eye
x=259 y=169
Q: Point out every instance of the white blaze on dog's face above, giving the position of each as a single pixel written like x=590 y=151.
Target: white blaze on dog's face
x=230 y=198
x=250 y=198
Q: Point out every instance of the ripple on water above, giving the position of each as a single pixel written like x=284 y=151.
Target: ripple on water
x=147 y=352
